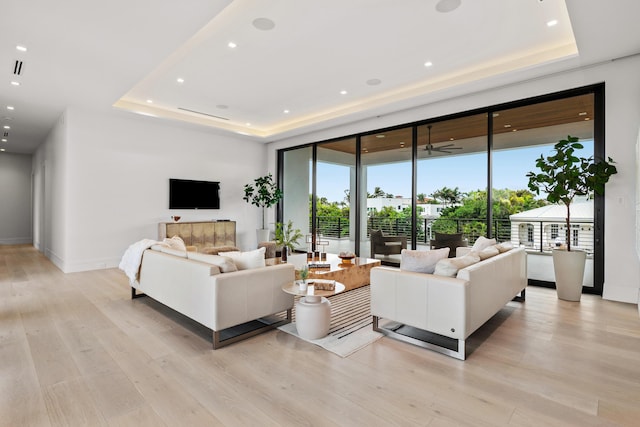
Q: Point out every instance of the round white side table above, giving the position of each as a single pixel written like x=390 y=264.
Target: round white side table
x=313 y=310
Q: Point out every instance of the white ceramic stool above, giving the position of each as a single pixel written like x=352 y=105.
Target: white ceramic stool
x=313 y=316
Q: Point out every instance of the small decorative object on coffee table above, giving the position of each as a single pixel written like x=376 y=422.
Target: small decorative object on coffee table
x=325 y=285
x=304 y=273
x=346 y=257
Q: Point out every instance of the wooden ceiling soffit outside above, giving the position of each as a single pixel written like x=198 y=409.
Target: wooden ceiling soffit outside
x=541 y=115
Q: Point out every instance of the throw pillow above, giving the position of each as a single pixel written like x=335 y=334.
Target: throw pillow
x=482 y=243
x=449 y=267
x=246 y=260
x=225 y=264
x=175 y=242
x=487 y=252
x=215 y=250
x=158 y=246
x=504 y=246
x=421 y=261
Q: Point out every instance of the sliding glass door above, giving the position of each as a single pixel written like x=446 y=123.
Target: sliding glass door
x=386 y=197
x=520 y=136
x=464 y=173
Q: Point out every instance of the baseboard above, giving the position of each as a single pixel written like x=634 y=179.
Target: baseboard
x=16 y=241
x=619 y=293
x=79 y=266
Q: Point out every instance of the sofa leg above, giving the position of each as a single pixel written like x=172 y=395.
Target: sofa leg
x=456 y=347
x=375 y=324
x=134 y=294
x=229 y=336
x=521 y=297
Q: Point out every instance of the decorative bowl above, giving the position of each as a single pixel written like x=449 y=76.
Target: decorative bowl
x=346 y=259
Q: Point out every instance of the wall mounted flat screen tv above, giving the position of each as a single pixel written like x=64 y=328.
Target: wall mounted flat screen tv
x=190 y=194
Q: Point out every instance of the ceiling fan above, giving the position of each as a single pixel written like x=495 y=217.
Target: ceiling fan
x=441 y=149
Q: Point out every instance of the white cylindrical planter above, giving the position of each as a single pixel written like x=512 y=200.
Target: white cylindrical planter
x=569 y=272
x=263 y=235
x=313 y=316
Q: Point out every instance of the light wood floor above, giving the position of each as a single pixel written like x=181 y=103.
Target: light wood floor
x=76 y=350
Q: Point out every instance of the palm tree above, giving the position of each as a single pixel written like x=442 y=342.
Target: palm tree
x=448 y=196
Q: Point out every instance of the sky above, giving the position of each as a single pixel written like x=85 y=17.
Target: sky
x=467 y=172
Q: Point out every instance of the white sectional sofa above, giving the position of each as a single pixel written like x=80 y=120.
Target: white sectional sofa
x=446 y=310
x=219 y=301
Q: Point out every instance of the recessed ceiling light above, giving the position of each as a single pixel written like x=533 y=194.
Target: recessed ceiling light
x=401 y=144
x=15 y=83
x=428 y=64
x=4 y=139
x=584 y=113
x=149 y=101
x=373 y=82
x=264 y=24
x=496 y=114
x=445 y=6
x=507 y=126
x=514 y=130
x=247 y=124
x=232 y=45
x=21 y=48
x=587 y=118
x=10 y=107
x=2 y=149
x=380 y=135
x=343 y=92
x=180 y=80
x=552 y=23
x=451 y=139
x=6 y=127
x=286 y=111
x=243 y=133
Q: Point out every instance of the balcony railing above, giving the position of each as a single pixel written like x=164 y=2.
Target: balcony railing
x=539 y=236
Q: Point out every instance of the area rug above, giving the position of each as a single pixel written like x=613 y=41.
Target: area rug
x=351 y=323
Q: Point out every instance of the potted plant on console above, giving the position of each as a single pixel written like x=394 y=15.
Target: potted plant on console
x=287 y=237
x=263 y=193
x=563 y=176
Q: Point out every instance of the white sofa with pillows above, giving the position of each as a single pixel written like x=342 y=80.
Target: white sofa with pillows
x=219 y=291
x=438 y=302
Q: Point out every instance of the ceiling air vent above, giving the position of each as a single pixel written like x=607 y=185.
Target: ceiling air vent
x=204 y=114
x=6 y=134
x=17 y=68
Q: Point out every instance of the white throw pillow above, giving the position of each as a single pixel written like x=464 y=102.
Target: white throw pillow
x=449 y=267
x=247 y=260
x=158 y=246
x=422 y=261
x=175 y=242
x=482 y=243
x=225 y=264
x=175 y=252
x=504 y=246
x=487 y=252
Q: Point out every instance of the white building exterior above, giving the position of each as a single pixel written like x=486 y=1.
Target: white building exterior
x=543 y=228
x=397 y=203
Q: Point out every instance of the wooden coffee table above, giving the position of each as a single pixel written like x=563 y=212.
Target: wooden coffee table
x=353 y=275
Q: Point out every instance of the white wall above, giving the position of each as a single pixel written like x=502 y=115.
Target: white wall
x=15 y=194
x=114 y=186
x=622 y=120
